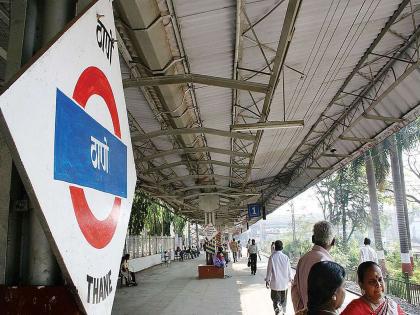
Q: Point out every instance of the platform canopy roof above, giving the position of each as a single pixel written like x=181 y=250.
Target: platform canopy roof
x=254 y=101
x=257 y=100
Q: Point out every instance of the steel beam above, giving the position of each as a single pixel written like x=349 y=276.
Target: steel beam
x=388 y=90
x=309 y=157
x=281 y=52
x=194 y=150
x=207 y=187
x=382 y=118
x=390 y=57
x=275 y=6
x=268 y=125
x=183 y=131
x=335 y=155
x=4 y=17
x=196 y=78
x=221 y=194
x=356 y=139
x=194 y=176
x=204 y=162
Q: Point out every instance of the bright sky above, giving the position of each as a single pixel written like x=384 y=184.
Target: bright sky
x=306 y=203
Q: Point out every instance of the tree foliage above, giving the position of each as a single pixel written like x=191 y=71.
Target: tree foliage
x=179 y=224
x=344 y=199
x=153 y=217
x=139 y=211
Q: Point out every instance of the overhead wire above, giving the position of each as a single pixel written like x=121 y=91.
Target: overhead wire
x=277 y=137
x=346 y=53
x=352 y=46
x=341 y=60
x=273 y=167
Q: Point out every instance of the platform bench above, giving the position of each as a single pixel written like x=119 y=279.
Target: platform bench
x=210 y=272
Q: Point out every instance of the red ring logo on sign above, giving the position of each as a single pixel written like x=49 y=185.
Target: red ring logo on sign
x=97 y=232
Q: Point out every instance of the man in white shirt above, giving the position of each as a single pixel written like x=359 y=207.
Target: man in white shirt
x=367 y=253
x=279 y=274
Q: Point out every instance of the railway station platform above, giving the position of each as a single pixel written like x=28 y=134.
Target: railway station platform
x=177 y=290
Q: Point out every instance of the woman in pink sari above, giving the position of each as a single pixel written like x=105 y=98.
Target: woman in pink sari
x=373 y=301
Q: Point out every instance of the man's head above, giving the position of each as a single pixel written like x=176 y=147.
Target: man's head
x=366 y=241
x=233 y=239
x=278 y=245
x=253 y=242
x=323 y=234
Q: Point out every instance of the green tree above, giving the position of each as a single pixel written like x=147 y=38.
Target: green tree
x=179 y=224
x=399 y=205
x=374 y=211
x=150 y=215
x=139 y=212
x=345 y=192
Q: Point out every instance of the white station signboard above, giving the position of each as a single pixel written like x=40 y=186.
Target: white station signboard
x=68 y=127
x=210 y=231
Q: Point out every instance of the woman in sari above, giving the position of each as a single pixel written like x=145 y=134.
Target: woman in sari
x=218 y=259
x=373 y=301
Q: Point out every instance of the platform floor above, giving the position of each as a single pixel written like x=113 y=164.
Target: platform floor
x=177 y=290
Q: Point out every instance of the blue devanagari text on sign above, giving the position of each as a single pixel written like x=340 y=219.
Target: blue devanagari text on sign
x=86 y=153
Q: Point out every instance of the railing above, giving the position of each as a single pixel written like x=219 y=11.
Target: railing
x=145 y=245
x=403 y=289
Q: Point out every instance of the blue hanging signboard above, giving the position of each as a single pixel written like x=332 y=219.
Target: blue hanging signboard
x=254 y=210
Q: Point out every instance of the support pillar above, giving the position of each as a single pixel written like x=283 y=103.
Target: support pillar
x=189 y=233
x=197 y=238
x=209 y=203
x=43 y=267
x=81 y=5
x=13 y=235
x=5 y=182
x=210 y=217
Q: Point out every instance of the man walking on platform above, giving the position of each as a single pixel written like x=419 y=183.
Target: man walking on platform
x=252 y=254
x=234 y=249
x=367 y=253
x=279 y=274
x=323 y=239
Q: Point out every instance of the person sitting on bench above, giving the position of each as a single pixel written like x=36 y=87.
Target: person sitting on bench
x=191 y=252
x=180 y=253
x=129 y=276
x=218 y=259
x=166 y=257
x=196 y=251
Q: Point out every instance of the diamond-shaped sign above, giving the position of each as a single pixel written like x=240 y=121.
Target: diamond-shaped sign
x=68 y=130
x=210 y=231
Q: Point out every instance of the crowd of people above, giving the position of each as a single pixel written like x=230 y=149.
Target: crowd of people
x=187 y=252
x=318 y=287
